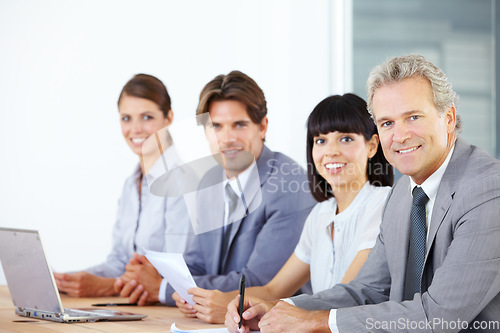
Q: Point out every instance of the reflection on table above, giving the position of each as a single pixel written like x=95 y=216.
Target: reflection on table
x=159 y=319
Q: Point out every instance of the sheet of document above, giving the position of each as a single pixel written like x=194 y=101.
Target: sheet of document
x=174 y=329
x=173 y=268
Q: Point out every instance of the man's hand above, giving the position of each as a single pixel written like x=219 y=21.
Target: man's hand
x=254 y=308
x=288 y=318
x=186 y=308
x=211 y=305
x=140 y=282
x=83 y=284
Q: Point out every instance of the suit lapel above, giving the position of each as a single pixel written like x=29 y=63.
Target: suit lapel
x=401 y=206
x=217 y=212
x=446 y=192
x=250 y=200
x=441 y=207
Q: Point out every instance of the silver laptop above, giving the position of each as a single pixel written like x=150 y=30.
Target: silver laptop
x=32 y=286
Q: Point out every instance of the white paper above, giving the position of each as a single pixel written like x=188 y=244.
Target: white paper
x=174 y=329
x=173 y=268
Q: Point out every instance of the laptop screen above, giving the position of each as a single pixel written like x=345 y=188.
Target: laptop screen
x=27 y=272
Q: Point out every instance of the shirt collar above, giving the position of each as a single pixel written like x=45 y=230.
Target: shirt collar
x=330 y=211
x=242 y=179
x=162 y=165
x=431 y=184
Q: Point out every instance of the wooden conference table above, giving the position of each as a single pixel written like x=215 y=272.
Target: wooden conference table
x=159 y=318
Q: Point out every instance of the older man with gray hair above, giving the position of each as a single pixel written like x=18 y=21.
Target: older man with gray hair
x=436 y=264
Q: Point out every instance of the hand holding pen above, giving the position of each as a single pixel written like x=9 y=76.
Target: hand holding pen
x=244 y=313
x=242 y=299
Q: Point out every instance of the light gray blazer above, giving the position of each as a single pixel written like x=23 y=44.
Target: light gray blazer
x=157 y=223
x=260 y=243
x=461 y=278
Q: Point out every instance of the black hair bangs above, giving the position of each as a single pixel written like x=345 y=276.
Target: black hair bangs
x=342 y=114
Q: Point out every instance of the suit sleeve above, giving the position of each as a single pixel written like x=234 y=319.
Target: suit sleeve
x=178 y=231
x=466 y=281
x=371 y=285
x=271 y=245
x=115 y=263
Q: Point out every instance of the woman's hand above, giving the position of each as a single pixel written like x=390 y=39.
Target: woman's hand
x=211 y=305
x=186 y=308
x=140 y=282
x=83 y=284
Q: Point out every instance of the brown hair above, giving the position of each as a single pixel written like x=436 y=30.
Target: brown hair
x=235 y=86
x=148 y=87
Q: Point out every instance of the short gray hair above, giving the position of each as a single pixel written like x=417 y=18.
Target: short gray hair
x=412 y=66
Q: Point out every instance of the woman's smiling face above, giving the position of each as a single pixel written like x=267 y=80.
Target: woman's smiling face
x=342 y=158
x=140 y=118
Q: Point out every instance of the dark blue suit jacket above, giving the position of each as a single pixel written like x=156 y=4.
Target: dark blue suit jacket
x=262 y=241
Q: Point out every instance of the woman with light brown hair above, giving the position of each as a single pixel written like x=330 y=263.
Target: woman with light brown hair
x=144 y=220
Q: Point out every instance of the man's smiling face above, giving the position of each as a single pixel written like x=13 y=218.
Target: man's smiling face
x=238 y=139
x=415 y=138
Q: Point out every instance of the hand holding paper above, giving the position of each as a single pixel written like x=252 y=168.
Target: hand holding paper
x=173 y=268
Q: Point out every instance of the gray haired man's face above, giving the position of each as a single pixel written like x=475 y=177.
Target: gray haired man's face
x=414 y=137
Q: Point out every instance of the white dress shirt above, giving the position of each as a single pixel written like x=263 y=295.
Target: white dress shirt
x=238 y=183
x=430 y=187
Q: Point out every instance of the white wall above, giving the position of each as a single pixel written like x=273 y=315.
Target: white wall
x=63 y=64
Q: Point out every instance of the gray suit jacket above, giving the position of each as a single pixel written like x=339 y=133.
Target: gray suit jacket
x=261 y=242
x=461 y=278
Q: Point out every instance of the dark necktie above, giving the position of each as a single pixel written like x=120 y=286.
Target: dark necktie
x=232 y=201
x=416 y=253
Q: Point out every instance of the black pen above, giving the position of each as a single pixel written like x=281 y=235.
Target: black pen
x=242 y=298
x=114 y=304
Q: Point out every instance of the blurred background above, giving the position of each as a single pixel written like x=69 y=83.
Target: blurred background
x=63 y=64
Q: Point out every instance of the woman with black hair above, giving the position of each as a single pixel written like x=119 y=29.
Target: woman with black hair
x=350 y=178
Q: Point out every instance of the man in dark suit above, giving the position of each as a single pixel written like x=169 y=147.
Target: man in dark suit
x=436 y=264
x=271 y=201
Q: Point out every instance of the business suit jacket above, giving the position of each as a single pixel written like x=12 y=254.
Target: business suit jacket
x=461 y=277
x=262 y=241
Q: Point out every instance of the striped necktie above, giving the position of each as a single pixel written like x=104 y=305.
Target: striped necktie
x=418 y=235
x=232 y=202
